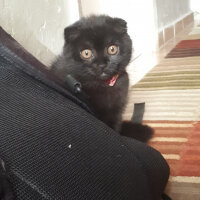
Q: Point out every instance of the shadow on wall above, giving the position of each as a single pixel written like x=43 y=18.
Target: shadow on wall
x=38 y=25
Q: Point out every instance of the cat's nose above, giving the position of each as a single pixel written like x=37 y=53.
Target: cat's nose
x=104 y=76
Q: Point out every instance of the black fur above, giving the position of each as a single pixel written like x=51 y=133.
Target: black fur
x=140 y=132
x=97 y=33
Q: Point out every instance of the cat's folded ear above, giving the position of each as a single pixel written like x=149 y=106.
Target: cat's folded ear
x=118 y=24
x=71 y=33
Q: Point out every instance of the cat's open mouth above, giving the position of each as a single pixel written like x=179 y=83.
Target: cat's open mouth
x=112 y=81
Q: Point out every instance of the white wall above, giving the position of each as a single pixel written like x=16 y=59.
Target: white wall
x=195 y=5
x=38 y=24
x=170 y=11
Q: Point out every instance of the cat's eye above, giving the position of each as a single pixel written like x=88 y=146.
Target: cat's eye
x=112 y=50
x=86 y=54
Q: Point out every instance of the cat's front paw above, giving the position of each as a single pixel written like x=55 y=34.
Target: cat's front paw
x=5 y=188
x=137 y=131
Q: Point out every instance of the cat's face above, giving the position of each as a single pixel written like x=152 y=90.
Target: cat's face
x=98 y=48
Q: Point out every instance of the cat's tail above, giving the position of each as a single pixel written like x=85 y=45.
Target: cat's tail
x=137 y=131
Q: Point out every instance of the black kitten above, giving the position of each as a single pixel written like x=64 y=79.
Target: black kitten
x=96 y=52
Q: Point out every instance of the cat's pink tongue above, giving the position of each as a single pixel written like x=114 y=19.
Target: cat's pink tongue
x=112 y=81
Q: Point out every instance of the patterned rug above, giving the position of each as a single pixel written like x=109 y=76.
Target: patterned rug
x=171 y=92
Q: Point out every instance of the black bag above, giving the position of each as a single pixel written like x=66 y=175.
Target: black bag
x=54 y=148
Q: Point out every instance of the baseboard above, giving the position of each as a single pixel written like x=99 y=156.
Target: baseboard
x=171 y=31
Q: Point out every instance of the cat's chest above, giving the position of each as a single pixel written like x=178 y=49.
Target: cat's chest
x=109 y=97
